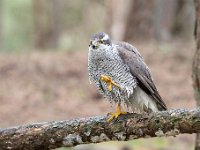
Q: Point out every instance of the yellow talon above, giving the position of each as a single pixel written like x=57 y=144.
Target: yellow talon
x=109 y=81
x=109 y=86
x=116 y=114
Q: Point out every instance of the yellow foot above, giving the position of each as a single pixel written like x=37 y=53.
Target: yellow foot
x=109 y=81
x=116 y=114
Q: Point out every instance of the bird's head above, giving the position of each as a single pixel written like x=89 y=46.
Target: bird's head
x=99 y=42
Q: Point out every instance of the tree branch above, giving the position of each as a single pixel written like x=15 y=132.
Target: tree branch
x=69 y=133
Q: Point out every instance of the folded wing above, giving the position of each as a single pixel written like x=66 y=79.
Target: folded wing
x=139 y=69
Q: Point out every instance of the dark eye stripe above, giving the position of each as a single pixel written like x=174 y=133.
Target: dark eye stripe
x=107 y=42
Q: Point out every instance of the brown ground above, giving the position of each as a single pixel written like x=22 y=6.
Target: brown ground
x=44 y=86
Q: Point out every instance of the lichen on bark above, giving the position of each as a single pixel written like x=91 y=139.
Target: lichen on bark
x=49 y=135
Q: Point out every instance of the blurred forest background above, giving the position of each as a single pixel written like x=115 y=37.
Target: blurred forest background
x=43 y=58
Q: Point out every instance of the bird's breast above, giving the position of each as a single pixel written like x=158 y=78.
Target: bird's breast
x=119 y=72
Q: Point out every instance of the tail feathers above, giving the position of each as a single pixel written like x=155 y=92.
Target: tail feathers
x=144 y=102
x=161 y=108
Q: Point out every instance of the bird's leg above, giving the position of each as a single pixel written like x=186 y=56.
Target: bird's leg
x=109 y=82
x=117 y=113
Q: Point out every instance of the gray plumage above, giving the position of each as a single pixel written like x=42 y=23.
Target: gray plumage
x=126 y=67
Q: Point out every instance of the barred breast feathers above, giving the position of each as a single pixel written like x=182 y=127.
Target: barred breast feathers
x=109 y=63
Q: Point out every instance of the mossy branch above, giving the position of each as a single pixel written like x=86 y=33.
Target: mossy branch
x=69 y=133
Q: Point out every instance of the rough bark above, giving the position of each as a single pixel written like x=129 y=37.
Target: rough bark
x=196 y=64
x=96 y=129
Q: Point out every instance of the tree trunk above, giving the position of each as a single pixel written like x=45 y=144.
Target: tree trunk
x=155 y=19
x=196 y=63
x=1 y=24
x=139 y=22
x=47 y=22
x=183 y=21
x=130 y=20
x=164 y=15
x=116 y=21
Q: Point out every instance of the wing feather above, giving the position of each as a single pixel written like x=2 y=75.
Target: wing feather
x=139 y=69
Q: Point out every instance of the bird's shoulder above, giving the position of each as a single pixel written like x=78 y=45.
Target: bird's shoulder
x=131 y=56
x=124 y=46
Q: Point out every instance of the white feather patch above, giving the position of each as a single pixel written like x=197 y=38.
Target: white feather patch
x=141 y=100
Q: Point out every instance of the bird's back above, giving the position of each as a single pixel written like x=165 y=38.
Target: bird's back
x=141 y=72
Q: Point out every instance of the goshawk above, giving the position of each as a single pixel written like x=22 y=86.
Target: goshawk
x=121 y=75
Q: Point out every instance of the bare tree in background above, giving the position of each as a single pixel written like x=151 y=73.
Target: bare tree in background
x=173 y=18
x=129 y=20
x=158 y=19
x=183 y=20
x=196 y=63
x=162 y=16
x=1 y=23
x=117 y=18
x=47 y=22
x=139 y=23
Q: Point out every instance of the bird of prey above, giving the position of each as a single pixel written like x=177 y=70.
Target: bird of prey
x=121 y=75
